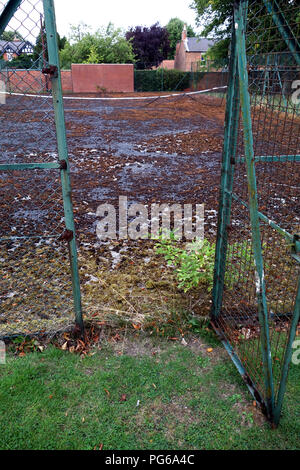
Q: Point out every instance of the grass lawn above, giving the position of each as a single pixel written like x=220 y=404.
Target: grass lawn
x=140 y=393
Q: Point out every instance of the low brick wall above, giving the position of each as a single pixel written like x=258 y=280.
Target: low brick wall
x=66 y=81
x=90 y=78
x=83 y=78
x=212 y=80
x=33 y=81
x=24 y=81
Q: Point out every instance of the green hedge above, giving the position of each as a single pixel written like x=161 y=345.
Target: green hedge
x=162 y=80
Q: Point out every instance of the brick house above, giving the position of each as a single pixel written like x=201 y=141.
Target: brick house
x=166 y=65
x=9 y=50
x=190 y=51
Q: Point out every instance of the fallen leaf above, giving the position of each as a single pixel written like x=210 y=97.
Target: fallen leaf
x=123 y=397
x=65 y=346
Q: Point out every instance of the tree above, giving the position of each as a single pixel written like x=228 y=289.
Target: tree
x=78 y=32
x=106 y=46
x=23 y=61
x=40 y=51
x=217 y=16
x=175 y=28
x=11 y=36
x=150 y=45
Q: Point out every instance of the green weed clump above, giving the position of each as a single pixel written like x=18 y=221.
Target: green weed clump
x=193 y=263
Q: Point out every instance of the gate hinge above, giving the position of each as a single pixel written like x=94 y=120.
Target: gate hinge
x=296 y=247
x=67 y=236
x=51 y=70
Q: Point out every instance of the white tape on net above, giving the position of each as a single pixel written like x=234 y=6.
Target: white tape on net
x=123 y=98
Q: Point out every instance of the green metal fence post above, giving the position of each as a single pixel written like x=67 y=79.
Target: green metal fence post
x=8 y=13
x=51 y=31
x=287 y=358
x=239 y=9
x=284 y=28
x=228 y=160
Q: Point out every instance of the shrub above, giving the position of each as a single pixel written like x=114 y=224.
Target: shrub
x=193 y=264
x=161 y=80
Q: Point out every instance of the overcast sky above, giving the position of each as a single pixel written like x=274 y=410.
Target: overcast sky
x=121 y=13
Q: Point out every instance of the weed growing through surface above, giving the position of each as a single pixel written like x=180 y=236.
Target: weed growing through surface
x=193 y=264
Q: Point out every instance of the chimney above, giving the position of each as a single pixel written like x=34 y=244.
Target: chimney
x=184 y=33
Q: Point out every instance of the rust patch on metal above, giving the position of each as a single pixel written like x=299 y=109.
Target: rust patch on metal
x=51 y=70
x=67 y=236
x=63 y=165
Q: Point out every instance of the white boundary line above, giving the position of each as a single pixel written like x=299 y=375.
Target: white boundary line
x=129 y=98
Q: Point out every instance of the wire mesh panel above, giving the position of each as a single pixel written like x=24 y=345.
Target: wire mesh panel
x=36 y=223
x=256 y=293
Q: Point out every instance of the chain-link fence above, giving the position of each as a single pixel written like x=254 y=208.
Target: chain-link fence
x=256 y=294
x=36 y=228
x=118 y=145
x=199 y=78
x=162 y=80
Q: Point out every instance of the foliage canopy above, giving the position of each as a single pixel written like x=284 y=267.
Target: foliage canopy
x=150 y=45
x=175 y=28
x=106 y=46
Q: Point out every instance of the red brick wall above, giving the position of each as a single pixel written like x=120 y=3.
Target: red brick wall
x=212 y=80
x=179 y=62
x=5 y=56
x=184 y=60
x=66 y=81
x=83 y=78
x=24 y=81
x=90 y=78
x=191 y=59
